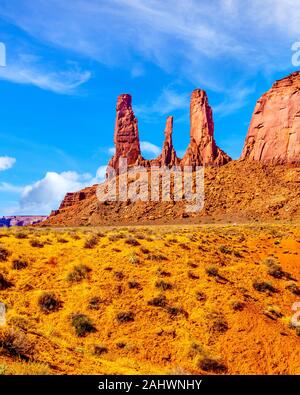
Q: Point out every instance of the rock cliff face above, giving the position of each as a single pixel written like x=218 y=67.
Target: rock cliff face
x=202 y=149
x=274 y=132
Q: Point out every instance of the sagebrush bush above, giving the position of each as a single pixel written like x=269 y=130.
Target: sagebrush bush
x=91 y=242
x=94 y=303
x=200 y=296
x=82 y=324
x=158 y=301
x=4 y=284
x=163 y=286
x=125 y=316
x=49 y=302
x=212 y=271
x=21 y=235
x=133 y=242
x=79 y=272
x=36 y=243
x=4 y=254
x=15 y=344
x=263 y=286
x=237 y=306
x=19 y=264
x=99 y=350
x=292 y=287
x=212 y=365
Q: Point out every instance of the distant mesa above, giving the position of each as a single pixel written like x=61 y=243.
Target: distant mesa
x=21 y=220
x=202 y=149
x=274 y=132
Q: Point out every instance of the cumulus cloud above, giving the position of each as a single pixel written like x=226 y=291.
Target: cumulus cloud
x=6 y=162
x=45 y=195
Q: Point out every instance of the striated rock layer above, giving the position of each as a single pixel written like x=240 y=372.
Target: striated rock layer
x=274 y=132
x=202 y=149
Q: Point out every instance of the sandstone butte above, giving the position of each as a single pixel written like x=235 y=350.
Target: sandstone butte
x=274 y=132
x=262 y=185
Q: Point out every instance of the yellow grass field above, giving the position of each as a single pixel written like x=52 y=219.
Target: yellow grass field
x=150 y=300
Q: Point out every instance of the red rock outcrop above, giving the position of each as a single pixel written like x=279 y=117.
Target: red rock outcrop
x=126 y=136
x=168 y=156
x=274 y=132
x=202 y=149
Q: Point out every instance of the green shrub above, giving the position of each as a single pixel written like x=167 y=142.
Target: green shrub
x=79 y=272
x=263 y=286
x=82 y=324
x=163 y=286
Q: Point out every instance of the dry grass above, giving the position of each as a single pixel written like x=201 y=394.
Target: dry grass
x=197 y=299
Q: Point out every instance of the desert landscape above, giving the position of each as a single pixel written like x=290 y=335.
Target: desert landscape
x=144 y=287
x=211 y=299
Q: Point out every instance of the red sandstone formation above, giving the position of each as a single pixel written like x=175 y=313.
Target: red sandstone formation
x=126 y=137
x=202 y=149
x=274 y=132
x=168 y=156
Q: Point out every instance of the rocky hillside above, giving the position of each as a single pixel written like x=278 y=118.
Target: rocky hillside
x=239 y=191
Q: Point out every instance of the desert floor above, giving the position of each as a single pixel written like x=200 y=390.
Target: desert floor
x=150 y=300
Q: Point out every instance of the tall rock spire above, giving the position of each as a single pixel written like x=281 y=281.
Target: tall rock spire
x=202 y=149
x=274 y=132
x=168 y=156
x=126 y=138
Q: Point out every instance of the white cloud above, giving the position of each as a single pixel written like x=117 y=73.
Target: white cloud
x=150 y=148
x=202 y=40
x=111 y=150
x=28 y=70
x=6 y=162
x=46 y=194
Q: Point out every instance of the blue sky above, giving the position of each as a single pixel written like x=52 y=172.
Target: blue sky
x=68 y=61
